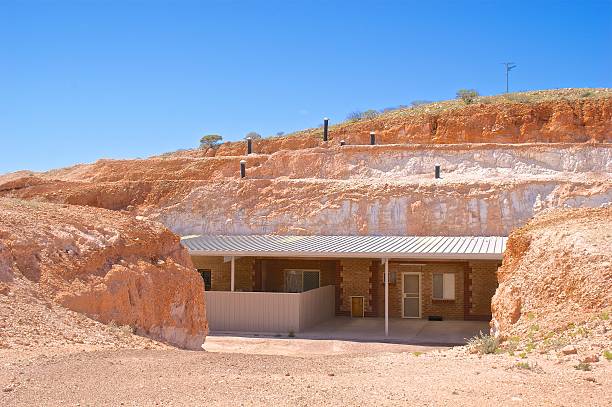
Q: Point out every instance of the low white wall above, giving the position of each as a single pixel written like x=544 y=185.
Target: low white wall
x=268 y=312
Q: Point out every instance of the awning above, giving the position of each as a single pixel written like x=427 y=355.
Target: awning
x=391 y=247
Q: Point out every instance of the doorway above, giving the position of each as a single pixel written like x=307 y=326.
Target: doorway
x=357 y=307
x=411 y=295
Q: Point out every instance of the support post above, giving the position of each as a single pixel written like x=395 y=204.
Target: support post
x=325 y=128
x=249 y=145
x=386 y=297
x=233 y=272
x=372 y=138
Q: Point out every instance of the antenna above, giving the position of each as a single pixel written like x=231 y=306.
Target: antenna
x=509 y=66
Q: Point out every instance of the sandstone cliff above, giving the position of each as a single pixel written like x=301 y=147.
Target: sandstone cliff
x=555 y=283
x=107 y=265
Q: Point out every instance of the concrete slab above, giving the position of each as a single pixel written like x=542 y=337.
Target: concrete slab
x=406 y=331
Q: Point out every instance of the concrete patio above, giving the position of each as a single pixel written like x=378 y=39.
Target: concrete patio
x=401 y=331
x=406 y=331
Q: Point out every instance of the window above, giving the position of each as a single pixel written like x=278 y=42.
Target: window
x=207 y=277
x=297 y=281
x=443 y=286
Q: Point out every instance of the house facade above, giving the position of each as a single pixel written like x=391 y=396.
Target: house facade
x=431 y=277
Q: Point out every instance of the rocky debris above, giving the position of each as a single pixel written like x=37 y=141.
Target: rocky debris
x=103 y=264
x=555 y=284
x=569 y=350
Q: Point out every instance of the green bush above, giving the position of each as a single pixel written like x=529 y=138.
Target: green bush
x=369 y=114
x=354 y=116
x=467 y=95
x=253 y=135
x=210 y=141
x=483 y=344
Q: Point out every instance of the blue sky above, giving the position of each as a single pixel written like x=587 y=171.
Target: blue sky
x=82 y=80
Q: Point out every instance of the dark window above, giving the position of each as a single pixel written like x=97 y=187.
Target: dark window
x=207 y=277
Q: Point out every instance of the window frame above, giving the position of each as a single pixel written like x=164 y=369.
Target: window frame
x=454 y=290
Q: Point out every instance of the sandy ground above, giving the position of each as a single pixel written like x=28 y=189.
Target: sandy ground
x=294 y=372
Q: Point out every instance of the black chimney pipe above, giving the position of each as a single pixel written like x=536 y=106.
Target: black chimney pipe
x=249 y=145
x=325 y=127
x=372 y=138
x=437 y=171
x=242 y=168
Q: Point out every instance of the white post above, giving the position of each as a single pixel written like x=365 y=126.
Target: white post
x=386 y=297
x=233 y=269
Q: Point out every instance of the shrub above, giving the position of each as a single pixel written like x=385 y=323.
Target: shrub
x=607 y=354
x=467 y=95
x=354 y=116
x=483 y=344
x=280 y=133
x=369 y=114
x=210 y=141
x=253 y=135
x=583 y=366
x=291 y=334
x=417 y=103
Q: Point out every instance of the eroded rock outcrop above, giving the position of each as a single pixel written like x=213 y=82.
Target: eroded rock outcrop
x=107 y=265
x=556 y=279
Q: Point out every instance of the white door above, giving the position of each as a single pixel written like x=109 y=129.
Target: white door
x=411 y=295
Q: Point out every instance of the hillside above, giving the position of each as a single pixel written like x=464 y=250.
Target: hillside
x=555 y=284
x=299 y=184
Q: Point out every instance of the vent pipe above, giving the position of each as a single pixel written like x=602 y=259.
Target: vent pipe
x=249 y=145
x=437 y=171
x=342 y=142
x=372 y=138
x=325 y=128
x=242 y=168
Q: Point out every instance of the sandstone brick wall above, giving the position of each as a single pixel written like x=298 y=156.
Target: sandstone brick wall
x=221 y=272
x=483 y=278
x=482 y=281
x=355 y=282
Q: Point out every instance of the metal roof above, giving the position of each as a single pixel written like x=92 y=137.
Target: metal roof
x=393 y=247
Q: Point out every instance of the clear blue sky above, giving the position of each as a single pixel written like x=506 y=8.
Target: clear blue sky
x=81 y=80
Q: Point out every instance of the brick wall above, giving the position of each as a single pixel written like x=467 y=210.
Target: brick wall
x=483 y=279
x=355 y=276
x=221 y=272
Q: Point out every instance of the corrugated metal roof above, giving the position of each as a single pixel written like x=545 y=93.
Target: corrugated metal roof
x=395 y=247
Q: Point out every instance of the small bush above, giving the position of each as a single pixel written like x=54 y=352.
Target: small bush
x=467 y=95
x=604 y=316
x=210 y=141
x=483 y=344
x=291 y=334
x=586 y=94
x=417 y=103
x=586 y=367
x=369 y=114
x=354 y=116
x=253 y=135
x=607 y=354
x=280 y=133
x=417 y=354
x=524 y=365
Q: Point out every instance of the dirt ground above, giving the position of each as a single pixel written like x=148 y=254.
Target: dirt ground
x=237 y=371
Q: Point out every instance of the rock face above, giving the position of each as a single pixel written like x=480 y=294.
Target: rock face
x=486 y=189
x=106 y=265
x=557 y=275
